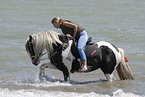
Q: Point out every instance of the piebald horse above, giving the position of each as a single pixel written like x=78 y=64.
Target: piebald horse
x=63 y=55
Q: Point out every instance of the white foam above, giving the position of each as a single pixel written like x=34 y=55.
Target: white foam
x=120 y=93
x=43 y=84
x=41 y=93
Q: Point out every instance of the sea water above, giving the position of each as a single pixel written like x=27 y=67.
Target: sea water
x=121 y=22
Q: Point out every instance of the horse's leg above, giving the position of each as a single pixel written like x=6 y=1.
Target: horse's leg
x=113 y=77
x=42 y=73
x=57 y=61
x=64 y=69
x=110 y=77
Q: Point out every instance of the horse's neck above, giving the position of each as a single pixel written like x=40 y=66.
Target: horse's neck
x=67 y=51
x=67 y=56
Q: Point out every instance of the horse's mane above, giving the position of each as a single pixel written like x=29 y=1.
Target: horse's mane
x=44 y=40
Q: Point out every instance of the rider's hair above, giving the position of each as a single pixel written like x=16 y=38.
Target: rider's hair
x=56 y=19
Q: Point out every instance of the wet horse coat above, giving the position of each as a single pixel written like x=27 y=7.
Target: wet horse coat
x=101 y=55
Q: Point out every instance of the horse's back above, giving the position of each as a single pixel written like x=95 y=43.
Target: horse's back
x=109 y=46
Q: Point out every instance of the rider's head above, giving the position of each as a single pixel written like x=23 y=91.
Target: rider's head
x=56 y=22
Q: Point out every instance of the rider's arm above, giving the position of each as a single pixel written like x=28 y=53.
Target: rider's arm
x=71 y=25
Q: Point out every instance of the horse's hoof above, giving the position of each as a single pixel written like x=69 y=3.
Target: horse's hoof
x=72 y=71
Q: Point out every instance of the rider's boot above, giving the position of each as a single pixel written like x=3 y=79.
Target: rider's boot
x=84 y=66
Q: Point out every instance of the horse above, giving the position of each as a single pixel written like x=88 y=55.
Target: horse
x=59 y=49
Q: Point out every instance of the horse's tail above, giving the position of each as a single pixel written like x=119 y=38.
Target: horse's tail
x=123 y=68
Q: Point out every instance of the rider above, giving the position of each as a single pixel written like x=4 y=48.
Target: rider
x=77 y=32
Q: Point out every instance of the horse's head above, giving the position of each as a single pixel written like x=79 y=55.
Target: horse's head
x=30 y=48
x=42 y=41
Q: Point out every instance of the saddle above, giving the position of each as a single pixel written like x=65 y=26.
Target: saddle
x=92 y=52
x=89 y=49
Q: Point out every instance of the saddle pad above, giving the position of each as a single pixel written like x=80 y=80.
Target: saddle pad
x=91 y=50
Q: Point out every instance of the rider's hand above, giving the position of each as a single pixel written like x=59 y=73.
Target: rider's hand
x=71 y=38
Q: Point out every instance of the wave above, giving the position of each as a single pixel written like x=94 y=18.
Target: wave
x=42 y=93
x=31 y=88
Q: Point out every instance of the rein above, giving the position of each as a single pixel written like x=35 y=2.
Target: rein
x=54 y=52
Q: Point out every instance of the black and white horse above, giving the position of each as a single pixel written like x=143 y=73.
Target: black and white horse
x=63 y=55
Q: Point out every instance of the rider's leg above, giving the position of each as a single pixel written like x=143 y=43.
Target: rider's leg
x=85 y=66
x=81 y=43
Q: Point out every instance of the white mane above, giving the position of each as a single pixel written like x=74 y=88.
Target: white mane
x=43 y=41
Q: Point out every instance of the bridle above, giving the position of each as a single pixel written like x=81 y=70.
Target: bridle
x=35 y=57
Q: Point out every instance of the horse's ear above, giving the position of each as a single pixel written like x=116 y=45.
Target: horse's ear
x=30 y=37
